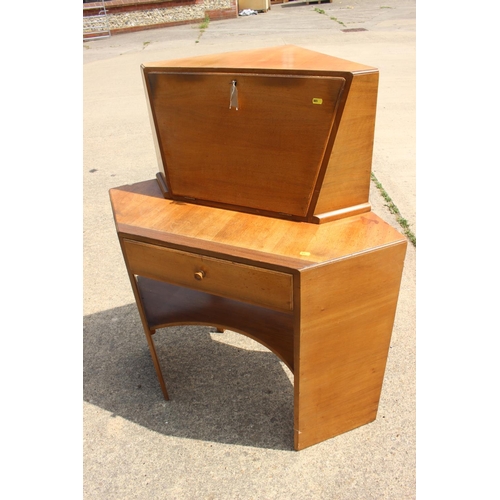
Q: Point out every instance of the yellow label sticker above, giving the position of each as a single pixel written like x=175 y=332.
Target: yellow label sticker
x=317 y=100
x=305 y=254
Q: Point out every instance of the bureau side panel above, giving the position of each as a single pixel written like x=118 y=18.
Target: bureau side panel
x=347 y=311
x=347 y=178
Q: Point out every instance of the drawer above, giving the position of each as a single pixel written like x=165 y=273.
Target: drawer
x=254 y=285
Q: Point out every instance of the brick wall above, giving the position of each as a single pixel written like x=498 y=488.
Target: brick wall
x=135 y=15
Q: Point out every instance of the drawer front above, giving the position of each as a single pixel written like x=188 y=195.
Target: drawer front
x=232 y=280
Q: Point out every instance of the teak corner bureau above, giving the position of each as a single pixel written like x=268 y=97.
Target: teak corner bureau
x=314 y=277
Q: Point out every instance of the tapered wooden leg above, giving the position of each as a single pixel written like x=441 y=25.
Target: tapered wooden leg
x=156 y=361
x=149 y=332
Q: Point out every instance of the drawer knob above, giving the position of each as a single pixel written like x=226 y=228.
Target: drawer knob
x=199 y=275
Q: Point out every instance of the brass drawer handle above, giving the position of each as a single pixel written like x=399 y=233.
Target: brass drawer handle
x=199 y=275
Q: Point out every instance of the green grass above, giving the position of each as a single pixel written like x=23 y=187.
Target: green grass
x=395 y=211
x=321 y=11
x=205 y=23
x=335 y=19
x=203 y=26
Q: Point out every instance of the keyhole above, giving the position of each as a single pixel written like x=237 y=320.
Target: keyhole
x=233 y=98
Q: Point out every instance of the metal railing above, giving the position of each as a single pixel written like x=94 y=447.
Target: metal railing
x=96 y=26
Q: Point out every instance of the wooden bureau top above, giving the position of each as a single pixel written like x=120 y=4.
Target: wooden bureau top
x=141 y=211
x=286 y=57
x=282 y=131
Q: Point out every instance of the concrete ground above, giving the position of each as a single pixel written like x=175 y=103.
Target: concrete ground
x=227 y=431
